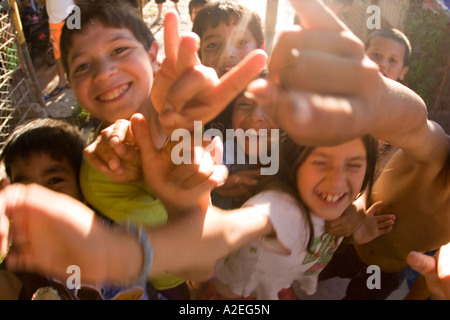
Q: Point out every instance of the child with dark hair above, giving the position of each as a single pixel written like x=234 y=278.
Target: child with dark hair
x=47 y=152
x=228 y=31
x=314 y=184
x=110 y=63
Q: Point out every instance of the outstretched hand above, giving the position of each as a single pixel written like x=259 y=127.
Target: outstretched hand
x=185 y=91
x=318 y=71
x=183 y=186
x=435 y=269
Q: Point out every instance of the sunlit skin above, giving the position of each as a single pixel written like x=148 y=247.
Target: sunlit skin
x=331 y=178
x=112 y=76
x=248 y=115
x=224 y=47
x=40 y=168
x=389 y=55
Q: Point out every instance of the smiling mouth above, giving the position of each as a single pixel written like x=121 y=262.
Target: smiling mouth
x=114 y=94
x=330 y=198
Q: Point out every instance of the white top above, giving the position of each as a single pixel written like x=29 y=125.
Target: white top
x=58 y=10
x=268 y=265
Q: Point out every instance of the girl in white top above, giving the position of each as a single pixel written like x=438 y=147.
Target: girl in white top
x=315 y=184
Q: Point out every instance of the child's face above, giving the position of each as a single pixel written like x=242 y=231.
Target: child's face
x=224 y=47
x=389 y=55
x=40 y=168
x=110 y=72
x=331 y=178
x=249 y=115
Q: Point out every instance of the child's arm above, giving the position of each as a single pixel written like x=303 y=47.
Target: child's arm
x=325 y=90
x=52 y=231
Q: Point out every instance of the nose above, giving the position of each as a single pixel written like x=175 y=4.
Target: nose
x=258 y=114
x=228 y=52
x=104 y=69
x=336 y=177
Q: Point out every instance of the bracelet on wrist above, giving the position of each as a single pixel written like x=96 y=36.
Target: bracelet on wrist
x=140 y=233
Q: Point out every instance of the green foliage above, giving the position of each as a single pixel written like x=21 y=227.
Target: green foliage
x=80 y=116
x=429 y=33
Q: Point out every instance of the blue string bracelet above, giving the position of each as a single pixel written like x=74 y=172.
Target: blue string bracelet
x=139 y=232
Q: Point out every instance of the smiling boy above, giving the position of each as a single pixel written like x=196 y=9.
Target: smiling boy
x=228 y=31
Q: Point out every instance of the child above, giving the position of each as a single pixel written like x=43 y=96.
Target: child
x=194 y=6
x=111 y=78
x=391 y=50
x=315 y=184
x=47 y=152
x=228 y=32
x=251 y=140
x=415 y=182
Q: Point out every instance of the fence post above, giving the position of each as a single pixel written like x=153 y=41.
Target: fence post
x=271 y=22
x=15 y=17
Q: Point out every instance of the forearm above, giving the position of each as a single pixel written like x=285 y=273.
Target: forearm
x=197 y=241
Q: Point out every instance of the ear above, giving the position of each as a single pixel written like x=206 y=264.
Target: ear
x=403 y=74
x=153 y=51
x=153 y=54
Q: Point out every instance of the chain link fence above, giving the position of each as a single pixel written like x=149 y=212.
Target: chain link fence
x=15 y=87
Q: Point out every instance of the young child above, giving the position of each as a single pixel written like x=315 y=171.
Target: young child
x=251 y=140
x=228 y=32
x=415 y=182
x=314 y=184
x=391 y=50
x=194 y=7
x=112 y=78
x=47 y=152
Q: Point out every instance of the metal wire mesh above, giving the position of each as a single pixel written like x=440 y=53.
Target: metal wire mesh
x=15 y=88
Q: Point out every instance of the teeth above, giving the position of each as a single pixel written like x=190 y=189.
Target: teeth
x=329 y=197
x=114 y=94
x=254 y=134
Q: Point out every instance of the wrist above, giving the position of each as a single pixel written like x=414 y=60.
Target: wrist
x=131 y=255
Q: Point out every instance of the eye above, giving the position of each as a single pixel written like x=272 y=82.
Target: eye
x=393 y=61
x=212 y=45
x=81 y=68
x=354 y=165
x=54 y=181
x=120 y=50
x=244 y=106
x=374 y=56
x=319 y=163
x=242 y=42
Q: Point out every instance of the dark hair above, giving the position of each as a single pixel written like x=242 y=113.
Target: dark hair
x=227 y=11
x=292 y=156
x=56 y=138
x=110 y=13
x=196 y=3
x=394 y=34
